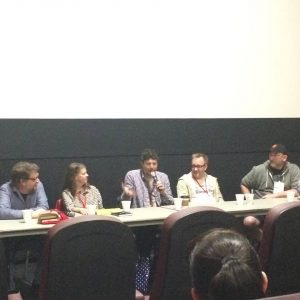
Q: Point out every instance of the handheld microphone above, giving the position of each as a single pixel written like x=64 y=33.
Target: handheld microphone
x=153 y=174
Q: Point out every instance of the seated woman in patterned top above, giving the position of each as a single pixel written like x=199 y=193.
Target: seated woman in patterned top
x=78 y=193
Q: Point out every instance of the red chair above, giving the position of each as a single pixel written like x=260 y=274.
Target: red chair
x=171 y=278
x=90 y=257
x=284 y=297
x=280 y=248
x=59 y=204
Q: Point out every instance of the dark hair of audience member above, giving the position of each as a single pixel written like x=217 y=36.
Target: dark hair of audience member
x=224 y=266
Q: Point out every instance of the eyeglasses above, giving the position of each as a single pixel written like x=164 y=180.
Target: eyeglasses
x=33 y=178
x=198 y=166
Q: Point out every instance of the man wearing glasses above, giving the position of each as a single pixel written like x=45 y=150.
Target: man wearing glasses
x=197 y=183
x=273 y=178
x=23 y=191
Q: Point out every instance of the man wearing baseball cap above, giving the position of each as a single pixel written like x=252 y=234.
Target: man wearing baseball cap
x=273 y=178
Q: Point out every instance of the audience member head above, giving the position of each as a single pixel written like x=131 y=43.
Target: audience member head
x=224 y=266
x=278 y=156
x=199 y=165
x=25 y=176
x=76 y=177
x=149 y=161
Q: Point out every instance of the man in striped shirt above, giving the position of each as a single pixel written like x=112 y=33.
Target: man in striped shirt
x=146 y=186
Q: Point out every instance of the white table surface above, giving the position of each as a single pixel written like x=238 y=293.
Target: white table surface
x=144 y=216
x=156 y=215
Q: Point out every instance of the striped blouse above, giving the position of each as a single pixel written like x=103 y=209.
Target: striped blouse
x=90 y=196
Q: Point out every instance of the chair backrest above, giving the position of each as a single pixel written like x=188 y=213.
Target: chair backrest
x=87 y=258
x=3 y=273
x=171 y=278
x=280 y=248
x=285 y=297
x=59 y=204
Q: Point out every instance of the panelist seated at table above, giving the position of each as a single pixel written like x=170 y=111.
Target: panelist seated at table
x=78 y=193
x=23 y=191
x=198 y=184
x=146 y=186
x=273 y=178
x=223 y=265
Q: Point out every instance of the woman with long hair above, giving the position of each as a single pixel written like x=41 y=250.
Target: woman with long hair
x=224 y=266
x=77 y=192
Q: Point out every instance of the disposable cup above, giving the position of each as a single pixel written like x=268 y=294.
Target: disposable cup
x=249 y=198
x=290 y=196
x=27 y=215
x=185 y=200
x=126 y=205
x=91 y=209
x=178 y=203
x=239 y=199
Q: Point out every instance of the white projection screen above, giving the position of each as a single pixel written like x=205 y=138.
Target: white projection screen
x=149 y=59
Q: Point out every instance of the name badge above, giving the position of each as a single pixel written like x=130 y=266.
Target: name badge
x=278 y=187
x=201 y=199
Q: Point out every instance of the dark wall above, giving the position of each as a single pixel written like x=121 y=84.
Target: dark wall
x=111 y=147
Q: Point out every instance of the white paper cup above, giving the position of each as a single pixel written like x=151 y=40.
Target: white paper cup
x=126 y=205
x=91 y=209
x=239 y=199
x=290 y=196
x=27 y=215
x=178 y=203
x=249 y=198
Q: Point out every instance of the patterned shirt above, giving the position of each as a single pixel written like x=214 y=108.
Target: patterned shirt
x=143 y=193
x=90 y=196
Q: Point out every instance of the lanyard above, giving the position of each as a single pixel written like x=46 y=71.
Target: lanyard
x=151 y=195
x=82 y=199
x=152 y=191
x=205 y=190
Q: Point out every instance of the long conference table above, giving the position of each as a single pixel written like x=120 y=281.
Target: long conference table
x=145 y=216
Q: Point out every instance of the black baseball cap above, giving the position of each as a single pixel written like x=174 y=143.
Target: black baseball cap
x=278 y=148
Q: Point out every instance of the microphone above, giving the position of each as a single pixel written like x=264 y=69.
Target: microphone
x=153 y=174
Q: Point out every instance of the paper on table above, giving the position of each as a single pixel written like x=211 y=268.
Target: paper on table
x=107 y=211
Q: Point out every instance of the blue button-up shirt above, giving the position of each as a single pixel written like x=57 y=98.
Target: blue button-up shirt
x=12 y=202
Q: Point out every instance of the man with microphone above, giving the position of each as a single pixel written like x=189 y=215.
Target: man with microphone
x=146 y=186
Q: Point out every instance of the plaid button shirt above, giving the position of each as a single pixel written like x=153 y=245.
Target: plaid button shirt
x=135 y=179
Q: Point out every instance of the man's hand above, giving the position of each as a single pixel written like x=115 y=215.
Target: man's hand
x=127 y=190
x=83 y=211
x=160 y=187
